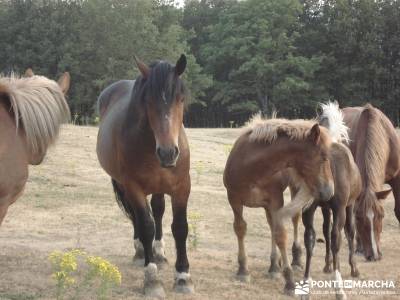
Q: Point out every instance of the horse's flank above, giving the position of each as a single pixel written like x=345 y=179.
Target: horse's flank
x=39 y=108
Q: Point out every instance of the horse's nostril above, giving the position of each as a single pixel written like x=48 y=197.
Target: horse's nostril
x=159 y=152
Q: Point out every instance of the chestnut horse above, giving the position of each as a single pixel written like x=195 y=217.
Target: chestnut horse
x=142 y=145
x=31 y=112
x=252 y=178
x=375 y=146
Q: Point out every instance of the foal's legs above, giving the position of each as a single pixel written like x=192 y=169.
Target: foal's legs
x=296 y=248
x=395 y=185
x=309 y=236
x=326 y=212
x=158 y=208
x=240 y=226
x=275 y=268
x=350 y=232
x=339 y=218
x=280 y=236
x=183 y=282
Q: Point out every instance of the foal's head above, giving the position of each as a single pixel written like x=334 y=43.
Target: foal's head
x=314 y=165
x=164 y=94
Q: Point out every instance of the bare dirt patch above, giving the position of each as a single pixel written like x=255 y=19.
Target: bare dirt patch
x=68 y=203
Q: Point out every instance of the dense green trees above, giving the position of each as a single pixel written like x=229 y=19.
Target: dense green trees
x=244 y=56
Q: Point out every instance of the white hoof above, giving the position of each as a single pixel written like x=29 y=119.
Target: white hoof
x=153 y=287
x=159 y=252
x=183 y=283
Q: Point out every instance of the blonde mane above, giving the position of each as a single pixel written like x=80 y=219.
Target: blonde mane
x=268 y=130
x=336 y=126
x=39 y=106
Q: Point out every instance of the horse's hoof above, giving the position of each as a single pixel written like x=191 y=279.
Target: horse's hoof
x=183 y=284
x=355 y=273
x=274 y=275
x=327 y=269
x=152 y=286
x=289 y=291
x=154 y=290
x=245 y=278
x=341 y=296
x=138 y=261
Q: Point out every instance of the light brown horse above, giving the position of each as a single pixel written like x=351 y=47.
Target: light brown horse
x=142 y=145
x=347 y=181
x=252 y=179
x=31 y=112
x=376 y=150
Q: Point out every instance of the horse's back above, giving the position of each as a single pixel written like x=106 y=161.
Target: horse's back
x=112 y=94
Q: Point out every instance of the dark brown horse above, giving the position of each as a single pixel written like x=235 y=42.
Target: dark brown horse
x=252 y=178
x=32 y=110
x=142 y=145
x=376 y=150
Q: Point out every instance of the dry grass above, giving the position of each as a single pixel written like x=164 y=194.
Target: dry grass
x=68 y=203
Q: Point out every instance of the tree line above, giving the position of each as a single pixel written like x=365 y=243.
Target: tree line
x=243 y=56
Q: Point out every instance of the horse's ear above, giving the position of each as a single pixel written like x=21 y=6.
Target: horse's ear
x=29 y=73
x=64 y=82
x=143 y=68
x=180 y=65
x=382 y=195
x=314 y=134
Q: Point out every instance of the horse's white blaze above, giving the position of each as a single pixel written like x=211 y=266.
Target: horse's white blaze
x=370 y=215
x=339 y=290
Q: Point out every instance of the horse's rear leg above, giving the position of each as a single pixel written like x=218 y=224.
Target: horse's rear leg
x=183 y=282
x=326 y=212
x=350 y=232
x=274 y=270
x=395 y=185
x=280 y=236
x=158 y=208
x=126 y=205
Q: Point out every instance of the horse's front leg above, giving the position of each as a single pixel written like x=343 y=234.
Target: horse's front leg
x=158 y=208
x=145 y=229
x=395 y=185
x=326 y=212
x=309 y=237
x=339 y=218
x=183 y=282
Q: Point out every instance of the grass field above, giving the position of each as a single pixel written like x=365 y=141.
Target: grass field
x=68 y=203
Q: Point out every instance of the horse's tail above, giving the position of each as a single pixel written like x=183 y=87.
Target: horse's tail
x=301 y=201
x=332 y=118
x=123 y=203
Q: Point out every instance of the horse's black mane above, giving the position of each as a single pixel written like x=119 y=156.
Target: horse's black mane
x=162 y=83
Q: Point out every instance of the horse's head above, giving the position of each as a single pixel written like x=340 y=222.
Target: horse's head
x=314 y=165
x=164 y=95
x=369 y=221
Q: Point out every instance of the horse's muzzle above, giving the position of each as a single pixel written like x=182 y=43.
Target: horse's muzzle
x=167 y=156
